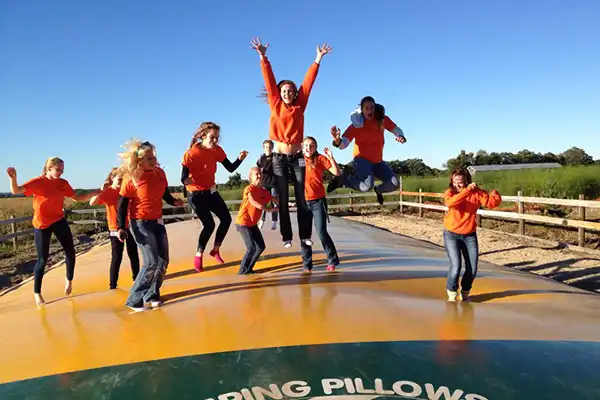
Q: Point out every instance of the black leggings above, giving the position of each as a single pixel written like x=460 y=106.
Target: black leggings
x=203 y=202
x=42 y=237
x=286 y=168
x=117 y=248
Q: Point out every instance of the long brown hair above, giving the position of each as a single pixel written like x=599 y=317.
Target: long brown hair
x=460 y=172
x=203 y=130
x=113 y=172
x=313 y=157
x=265 y=95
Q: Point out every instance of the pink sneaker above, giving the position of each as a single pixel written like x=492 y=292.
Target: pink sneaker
x=331 y=268
x=198 y=263
x=217 y=256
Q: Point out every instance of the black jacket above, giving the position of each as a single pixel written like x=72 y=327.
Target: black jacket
x=266 y=166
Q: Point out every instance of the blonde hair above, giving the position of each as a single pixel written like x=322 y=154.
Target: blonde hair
x=203 y=130
x=51 y=162
x=250 y=172
x=134 y=151
x=113 y=172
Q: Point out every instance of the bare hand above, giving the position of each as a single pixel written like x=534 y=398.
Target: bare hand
x=258 y=46
x=292 y=205
x=335 y=132
x=122 y=235
x=325 y=49
x=328 y=152
x=243 y=155
x=400 y=139
x=472 y=186
x=12 y=173
x=274 y=210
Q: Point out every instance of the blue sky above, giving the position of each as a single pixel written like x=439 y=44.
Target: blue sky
x=78 y=78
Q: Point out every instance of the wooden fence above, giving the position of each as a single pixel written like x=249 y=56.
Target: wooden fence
x=580 y=223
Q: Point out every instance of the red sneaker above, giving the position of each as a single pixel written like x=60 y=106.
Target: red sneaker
x=198 y=264
x=217 y=256
x=331 y=268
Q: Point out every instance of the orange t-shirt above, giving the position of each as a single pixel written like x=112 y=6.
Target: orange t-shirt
x=145 y=194
x=463 y=206
x=248 y=215
x=48 y=199
x=369 y=139
x=202 y=164
x=286 y=124
x=313 y=187
x=110 y=198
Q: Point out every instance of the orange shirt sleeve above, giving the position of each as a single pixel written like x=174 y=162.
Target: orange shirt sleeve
x=350 y=133
x=451 y=199
x=307 y=84
x=270 y=83
x=491 y=200
x=220 y=154
x=324 y=161
x=101 y=199
x=388 y=124
x=187 y=159
x=33 y=186
x=67 y=190
x=127 y=189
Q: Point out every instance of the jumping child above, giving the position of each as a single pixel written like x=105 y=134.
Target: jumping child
x=109 y=196
x=199 y=167
x=367 y=130
x=49 y=191
x=265 y=163
x=255 y=199
x=463 y=198
x=286 y=130
x=316 y=200
x=144 y=188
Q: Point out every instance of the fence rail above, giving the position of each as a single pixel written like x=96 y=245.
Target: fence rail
x=581 y=224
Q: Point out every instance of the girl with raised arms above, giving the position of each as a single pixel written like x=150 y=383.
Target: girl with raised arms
x=49 y=191
x=199 y=167
x=286 y=129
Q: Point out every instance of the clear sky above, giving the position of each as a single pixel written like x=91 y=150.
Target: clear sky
x=78 y=78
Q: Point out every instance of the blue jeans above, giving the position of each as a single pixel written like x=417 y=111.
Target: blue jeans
x=316 y=209
x=458 y=247
x=151 y=238
x=255 y=245
x=366 y=172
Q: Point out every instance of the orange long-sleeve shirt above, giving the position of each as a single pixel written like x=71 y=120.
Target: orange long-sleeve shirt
x=463 y=206
x=286 y=124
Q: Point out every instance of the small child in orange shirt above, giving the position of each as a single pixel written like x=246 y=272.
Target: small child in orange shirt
x=463 y=198
x=254 y=200
x=109 y=196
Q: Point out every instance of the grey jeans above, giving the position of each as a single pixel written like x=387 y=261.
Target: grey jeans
x=151 y=238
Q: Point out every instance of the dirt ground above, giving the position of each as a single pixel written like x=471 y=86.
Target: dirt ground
x=556 y=260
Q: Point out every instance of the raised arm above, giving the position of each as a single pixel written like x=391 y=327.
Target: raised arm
x=341 y=142
x=335 y=168
x=311 y=76
x=14 y=186
x=232 y=166
x=451 y=199
x=489 y=200
x=267 y=71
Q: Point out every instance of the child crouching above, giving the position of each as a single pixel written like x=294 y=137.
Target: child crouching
x=254 y=201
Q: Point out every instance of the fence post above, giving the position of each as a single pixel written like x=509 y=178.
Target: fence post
x=400 y=196
x=95 y=219
x=521 y=211
x=13 y=228
x=420 y=202
x=350 y=202
x=581 y=231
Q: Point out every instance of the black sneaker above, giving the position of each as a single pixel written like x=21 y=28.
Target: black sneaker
x=379 y=198
x=336 y=183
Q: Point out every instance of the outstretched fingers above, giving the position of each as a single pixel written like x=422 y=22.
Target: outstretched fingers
x=325 y=49
x=259 y=47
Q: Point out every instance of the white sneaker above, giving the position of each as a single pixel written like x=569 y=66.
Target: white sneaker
x=260 y=224
x=156 y=304
x=137 y=309
x=308 y=242
x=274 y=226
x=451 y=295
x=287 y=244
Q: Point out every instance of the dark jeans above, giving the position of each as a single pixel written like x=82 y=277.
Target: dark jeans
x=366 y=172
x=255 y=245
x=275 y=214
x=292 y=167
x=203 y=202
x=117 y=248
x=42 y=237
x=151 y=237
x=317 y=209
x=458 y=247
